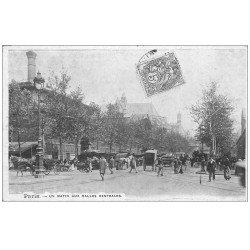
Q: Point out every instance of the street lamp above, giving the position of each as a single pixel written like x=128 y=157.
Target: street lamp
x=39 y=82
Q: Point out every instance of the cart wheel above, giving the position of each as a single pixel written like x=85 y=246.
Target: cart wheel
x=56 y=169
x=32 y=172
x=47 y=172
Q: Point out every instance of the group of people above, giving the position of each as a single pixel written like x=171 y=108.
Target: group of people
x=110 y=164
x=178 y=163
x=211 y=167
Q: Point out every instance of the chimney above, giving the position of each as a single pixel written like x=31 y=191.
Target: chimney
x=31 y=55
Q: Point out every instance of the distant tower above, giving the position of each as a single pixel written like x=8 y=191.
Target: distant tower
x=243 y=120
x=123 y=102
x=31 y=55
x=179 y=118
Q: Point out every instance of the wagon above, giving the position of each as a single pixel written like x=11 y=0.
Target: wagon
x=120 y=160
x=83 y=166
x=167 y=160
x=240 y=170
x=22 y=165
x=150 y=157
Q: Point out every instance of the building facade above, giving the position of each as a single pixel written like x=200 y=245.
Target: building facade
x=241 y=143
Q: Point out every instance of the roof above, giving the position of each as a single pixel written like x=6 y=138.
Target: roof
x=152 y=151
x=241 y=164
x=24 y=146
x=140 y=109
x=242 y=136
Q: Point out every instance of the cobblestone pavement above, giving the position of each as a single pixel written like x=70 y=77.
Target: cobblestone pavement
x=141 y=186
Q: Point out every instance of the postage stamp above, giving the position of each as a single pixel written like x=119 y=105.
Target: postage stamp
x=159 y=74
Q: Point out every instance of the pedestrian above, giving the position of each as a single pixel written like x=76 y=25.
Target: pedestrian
x=203 y=163
x=211 y=167
x=11 y=165
x=181 y=158
x=144 y=163
x=227 y=171
x=111 y=164
x=133 y=163
x=192 y=162
x=180 y=167
x=160 y=167
x=176 y=166
x=103 y=166
x=90 y=164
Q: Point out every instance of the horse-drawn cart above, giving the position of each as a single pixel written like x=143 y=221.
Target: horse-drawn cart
x=150 y=157
x=121 y=161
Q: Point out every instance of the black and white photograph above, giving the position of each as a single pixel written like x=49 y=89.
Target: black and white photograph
x=124 y=123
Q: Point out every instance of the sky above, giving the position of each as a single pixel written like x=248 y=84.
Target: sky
x=105 y=73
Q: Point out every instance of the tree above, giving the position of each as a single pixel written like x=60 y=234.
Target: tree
x=96 y=124
x=58 y=106
x=212 y=113
x=85 y=120
x=144 y=133
x=177 y=142
x=20 y=113
x=113 y=119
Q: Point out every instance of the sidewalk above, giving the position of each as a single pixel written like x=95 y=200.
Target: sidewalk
x=27 y=178
x=217 y=172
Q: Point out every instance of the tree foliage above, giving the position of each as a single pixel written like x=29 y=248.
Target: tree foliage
x=212 y=114
x=20 y=113
x=66 y=118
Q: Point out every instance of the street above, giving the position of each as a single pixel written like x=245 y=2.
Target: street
x=141 y=186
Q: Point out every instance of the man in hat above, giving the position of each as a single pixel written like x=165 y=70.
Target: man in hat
x=160 y=167
x=211 y=167
x=227 y=172
x=103 y=166
x=111 y=164
x=176 y=165
x=133 y=163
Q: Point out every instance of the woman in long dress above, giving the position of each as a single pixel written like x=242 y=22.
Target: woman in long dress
x=103 y=166
x=227 y=171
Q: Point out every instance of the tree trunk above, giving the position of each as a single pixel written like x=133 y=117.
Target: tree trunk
x=97 y=145
x=130 y=148
x=61 y=154
x=76 y=148
x=43 y=142
x=110 y=147
x=19 y=143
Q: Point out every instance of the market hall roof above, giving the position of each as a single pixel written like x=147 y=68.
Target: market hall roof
x=140 y=109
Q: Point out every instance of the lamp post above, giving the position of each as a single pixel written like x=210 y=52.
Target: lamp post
x=39 y=81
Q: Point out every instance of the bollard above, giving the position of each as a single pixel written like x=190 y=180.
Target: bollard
x=200 y=178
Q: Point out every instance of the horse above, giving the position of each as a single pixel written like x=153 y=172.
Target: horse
x=22 y=165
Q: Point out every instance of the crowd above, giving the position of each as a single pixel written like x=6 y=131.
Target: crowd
x=207 y=163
